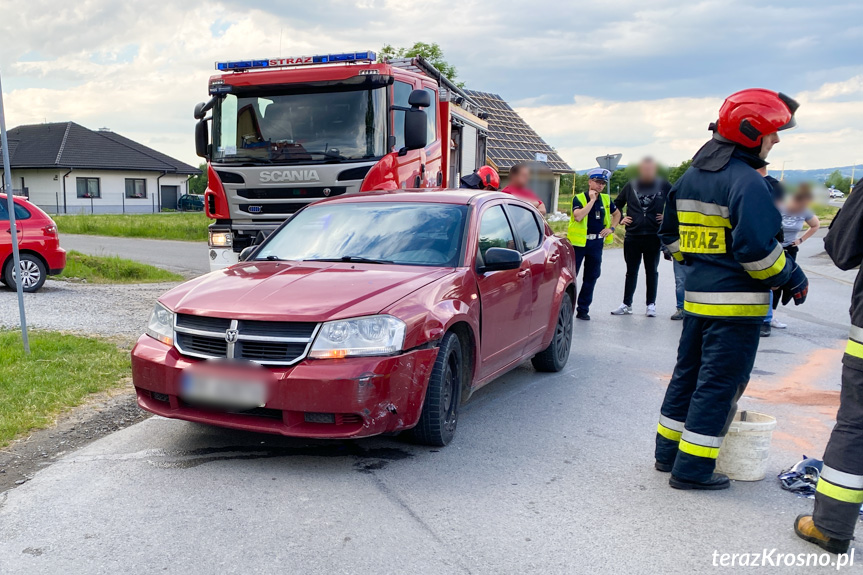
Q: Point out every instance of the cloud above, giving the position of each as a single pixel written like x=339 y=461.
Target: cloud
x=830 y=124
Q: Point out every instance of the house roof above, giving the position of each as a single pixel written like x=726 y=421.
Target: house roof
x=511 y=140
x=70 y=145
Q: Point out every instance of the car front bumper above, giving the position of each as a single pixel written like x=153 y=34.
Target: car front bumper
x=364 y=396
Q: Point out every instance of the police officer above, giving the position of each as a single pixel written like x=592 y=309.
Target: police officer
x=591 y=226
x=720 y=220
x=839 y=493
x=485 y=178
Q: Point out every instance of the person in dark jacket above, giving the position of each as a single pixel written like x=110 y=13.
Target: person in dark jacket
x=644 y=200
x=839 y=493
x=720 y=220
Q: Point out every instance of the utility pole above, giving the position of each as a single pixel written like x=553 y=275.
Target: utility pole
x=13 y=228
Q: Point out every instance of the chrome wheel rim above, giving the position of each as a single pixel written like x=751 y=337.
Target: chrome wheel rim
x=30 y=274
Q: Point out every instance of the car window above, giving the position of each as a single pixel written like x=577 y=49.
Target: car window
x=494 y=231
x=21 y=213
x=526 y=225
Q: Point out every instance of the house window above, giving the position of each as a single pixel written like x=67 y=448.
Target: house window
x=88 y=188
x=136 y=188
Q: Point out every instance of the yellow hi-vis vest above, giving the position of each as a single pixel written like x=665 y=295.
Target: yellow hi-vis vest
x=577 y=231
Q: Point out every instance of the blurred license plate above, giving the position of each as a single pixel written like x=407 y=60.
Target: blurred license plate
x=226 y=385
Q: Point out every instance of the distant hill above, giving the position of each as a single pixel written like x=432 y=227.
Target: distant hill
x=817 y=175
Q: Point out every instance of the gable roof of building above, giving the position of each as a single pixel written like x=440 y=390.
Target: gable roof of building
x=71 y=145
x=511 y=140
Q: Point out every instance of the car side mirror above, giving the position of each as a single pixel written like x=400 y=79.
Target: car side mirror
x=497 y=259
x=246 y=253
x=202 y=139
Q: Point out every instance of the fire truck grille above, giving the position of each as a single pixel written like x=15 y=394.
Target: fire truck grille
x=290 y=193
x=265 y=342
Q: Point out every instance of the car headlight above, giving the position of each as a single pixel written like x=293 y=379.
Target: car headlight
x=362 y=336
x=161 y=324
x=221 y=239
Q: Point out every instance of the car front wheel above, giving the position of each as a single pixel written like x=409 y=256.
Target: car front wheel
x=33 y=273
x=554 y=357
x=440 y=410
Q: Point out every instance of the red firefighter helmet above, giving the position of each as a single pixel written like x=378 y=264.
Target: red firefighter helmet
x=489 y=176
x=747 y=116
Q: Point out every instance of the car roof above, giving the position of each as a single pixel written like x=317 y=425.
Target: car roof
x=460 y=196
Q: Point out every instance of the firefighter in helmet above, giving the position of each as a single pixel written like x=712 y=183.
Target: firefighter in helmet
x=485 y=178
x=720 y=221
x=839 y=493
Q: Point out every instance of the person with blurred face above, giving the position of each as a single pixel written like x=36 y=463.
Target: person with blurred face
x=591 y=227
x=796 y=212
x=518 y=186
x=644 y=199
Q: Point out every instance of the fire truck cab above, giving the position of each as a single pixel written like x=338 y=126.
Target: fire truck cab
x=281 y=133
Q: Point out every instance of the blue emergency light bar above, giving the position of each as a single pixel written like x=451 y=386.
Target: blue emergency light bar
x=239 y=65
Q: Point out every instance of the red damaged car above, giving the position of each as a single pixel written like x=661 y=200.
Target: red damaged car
x=363 y=314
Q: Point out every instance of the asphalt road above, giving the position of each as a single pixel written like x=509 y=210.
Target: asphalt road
x=547 y=474
x=185 y=258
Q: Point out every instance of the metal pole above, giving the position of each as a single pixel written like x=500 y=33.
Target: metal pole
x=13 y=228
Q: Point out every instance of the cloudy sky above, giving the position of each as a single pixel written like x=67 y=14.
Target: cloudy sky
x=590 y=76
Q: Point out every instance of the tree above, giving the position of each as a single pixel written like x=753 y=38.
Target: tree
x=431 y=53
x=838 y=181
x=198 y=184
x=677 y=171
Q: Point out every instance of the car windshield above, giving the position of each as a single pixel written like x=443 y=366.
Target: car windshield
x=422 y=234
x=306 y=127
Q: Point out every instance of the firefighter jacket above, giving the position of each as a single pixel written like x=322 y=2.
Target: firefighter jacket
x=721 y=221
x=844 y=245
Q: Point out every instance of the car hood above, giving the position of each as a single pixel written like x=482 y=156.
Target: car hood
x=299 y=291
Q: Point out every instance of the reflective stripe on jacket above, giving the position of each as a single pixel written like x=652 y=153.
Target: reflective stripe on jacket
x=577 y=231
x=723 y=225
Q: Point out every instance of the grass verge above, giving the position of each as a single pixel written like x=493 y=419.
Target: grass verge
x=113 y=269
x=59 y=373
x=190 y=226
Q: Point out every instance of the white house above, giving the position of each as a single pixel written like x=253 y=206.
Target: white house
x=65 y=168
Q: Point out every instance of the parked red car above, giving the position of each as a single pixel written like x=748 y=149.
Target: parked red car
x=362 y=315
x=38 y=242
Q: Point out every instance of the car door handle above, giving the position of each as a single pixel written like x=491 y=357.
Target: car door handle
x=554 y=257
x=523 y=274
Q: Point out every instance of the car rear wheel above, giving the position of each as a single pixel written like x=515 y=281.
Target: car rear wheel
x=33 y=273
x=554 y=357
x=440 y=410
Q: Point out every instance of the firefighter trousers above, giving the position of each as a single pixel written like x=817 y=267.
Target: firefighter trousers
x=839 y=493
x=714 y=362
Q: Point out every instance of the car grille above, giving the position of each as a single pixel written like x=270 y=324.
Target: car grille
x=266 y=342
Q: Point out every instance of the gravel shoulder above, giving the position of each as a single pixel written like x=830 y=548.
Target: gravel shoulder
x=111 y=311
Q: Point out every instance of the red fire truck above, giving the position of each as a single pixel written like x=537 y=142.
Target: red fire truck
x=288 y=131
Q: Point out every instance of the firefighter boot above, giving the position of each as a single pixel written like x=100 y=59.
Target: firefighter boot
x=805 y=529
x=716 y=482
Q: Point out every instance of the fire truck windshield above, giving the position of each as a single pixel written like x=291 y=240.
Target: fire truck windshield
x=300 y=128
